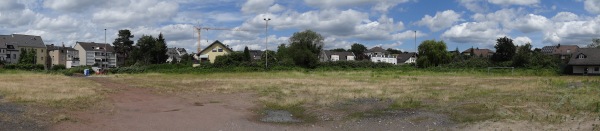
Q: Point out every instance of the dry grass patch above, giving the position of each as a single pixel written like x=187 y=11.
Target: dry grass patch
x=54 y=90
x=464 y=97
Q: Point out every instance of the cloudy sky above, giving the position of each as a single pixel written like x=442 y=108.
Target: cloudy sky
x=389 y=23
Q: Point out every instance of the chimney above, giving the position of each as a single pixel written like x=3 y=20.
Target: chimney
x=63 y=44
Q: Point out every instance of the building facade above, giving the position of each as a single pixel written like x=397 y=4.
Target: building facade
x=326 y=56
x=96 y=54
x=61 y=55
x=586 y=61
x=210 y=53
x=12 y=46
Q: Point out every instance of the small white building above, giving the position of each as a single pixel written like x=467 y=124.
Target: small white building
x=407 y=58
x=326 y=56
x=100 y=54
x=378 y=54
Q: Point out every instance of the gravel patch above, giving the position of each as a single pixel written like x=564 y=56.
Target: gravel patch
x=279 y=116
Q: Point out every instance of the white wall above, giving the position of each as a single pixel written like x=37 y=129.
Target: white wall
x=581 y=69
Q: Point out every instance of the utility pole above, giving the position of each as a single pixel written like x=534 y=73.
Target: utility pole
x=416 y=49
x=105 y=55
x=267 y=42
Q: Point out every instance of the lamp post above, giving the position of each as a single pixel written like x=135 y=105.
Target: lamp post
x=105 y=55
x=416 y=48
x=267 y=42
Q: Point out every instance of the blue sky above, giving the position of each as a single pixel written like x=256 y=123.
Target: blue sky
x=389 y=23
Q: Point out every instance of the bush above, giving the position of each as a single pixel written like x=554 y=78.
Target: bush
x=79 y=70
x=25 y=66
x=58 y=67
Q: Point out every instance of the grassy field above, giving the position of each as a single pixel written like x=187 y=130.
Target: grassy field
x=466 y=97
x=56 y=91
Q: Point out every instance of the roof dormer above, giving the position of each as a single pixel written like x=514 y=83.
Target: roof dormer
x=581 y=56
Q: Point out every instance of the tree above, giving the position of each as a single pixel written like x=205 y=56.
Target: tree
x=283 y=55
x=27 y=56
x=595 y=43
x=359 y=50
x=505 y=50
x=123 y=44
x=247 y=56
x=305 y=47
x=394 y=51
x=523 y=56
x=144 y=53
x=339 y=50
x=432 y=53
x=160 y=50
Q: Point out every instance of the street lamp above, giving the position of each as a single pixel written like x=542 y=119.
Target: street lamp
x=267 y=42
x=105 y=56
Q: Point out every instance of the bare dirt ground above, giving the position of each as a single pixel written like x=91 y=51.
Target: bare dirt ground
x=129 y=108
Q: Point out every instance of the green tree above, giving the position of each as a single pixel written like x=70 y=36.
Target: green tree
x=231 y=59
x=27 y=56
x=393 y=51
x=160 y=50
x=283 y=55
x=432 y=53
x=505 y=50
x=359 y=50
x=595 y=43
x=144 y=51
x=305 y=47
x=338 y=50
x=523 y=56
x=247 y=56
x=123 y=44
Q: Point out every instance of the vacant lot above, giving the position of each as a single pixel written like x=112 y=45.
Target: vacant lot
x=471 y=100
x=339 y=100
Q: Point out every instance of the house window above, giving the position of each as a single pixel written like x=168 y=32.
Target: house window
x=220 y=49
x=580 y=56
x=14 y=56
x=597 y=69
x=10 y=47
x=7 y=55
x=568 y=50
x=214 y=50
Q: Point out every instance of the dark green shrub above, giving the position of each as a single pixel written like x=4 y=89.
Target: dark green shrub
x=58 y=67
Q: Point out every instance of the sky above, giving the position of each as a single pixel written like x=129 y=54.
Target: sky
x=461 y=24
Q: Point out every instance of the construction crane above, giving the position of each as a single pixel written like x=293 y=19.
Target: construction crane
x=199 y=31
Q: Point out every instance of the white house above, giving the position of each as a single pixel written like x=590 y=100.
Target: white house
x=407 y=58
x=378 y=54
x=336 y=56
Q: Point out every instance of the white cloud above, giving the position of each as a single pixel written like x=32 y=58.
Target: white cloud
x=474 y=5
x=380 y=5
x=522 y=40
x=63 y=24
x=7 y=5
x=257 y=6
x=532 y=23
x=573 y=32
x=276 y=8
x=137 y=12
x=24 y=17
x=514 y=2
x=592 y=6
x=73 y=5
x=482 y=33
x=565 y=16
x=440 y=21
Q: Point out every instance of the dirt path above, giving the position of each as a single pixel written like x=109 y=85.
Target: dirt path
x=139 y=109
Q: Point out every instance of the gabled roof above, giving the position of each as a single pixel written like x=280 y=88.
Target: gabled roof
x=22 y=40
x=91 y=46
x=592 y=57
x=52 y=47
x=377 y=49
x=217 y=42
x=343 y=54
x=559 y=49
x=405 y=56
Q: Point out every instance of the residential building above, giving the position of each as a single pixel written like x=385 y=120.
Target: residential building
x=256 y=54
x=175 y=54
x=586 y=61
x=96 y=54
x=326 y=56
x=486 y=53
x=407 y=58
x=378 y=54
x=61 y=55
x=210 y=53
x=562 y=51
x=13 y=44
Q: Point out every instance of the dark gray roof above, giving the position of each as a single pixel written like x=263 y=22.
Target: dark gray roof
x=592 y=57
x=377 y=49
x=90 y=46
x=404 y=57
x=53 y=47
x=343 y=55
x=559 y=49
x=22 y=40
